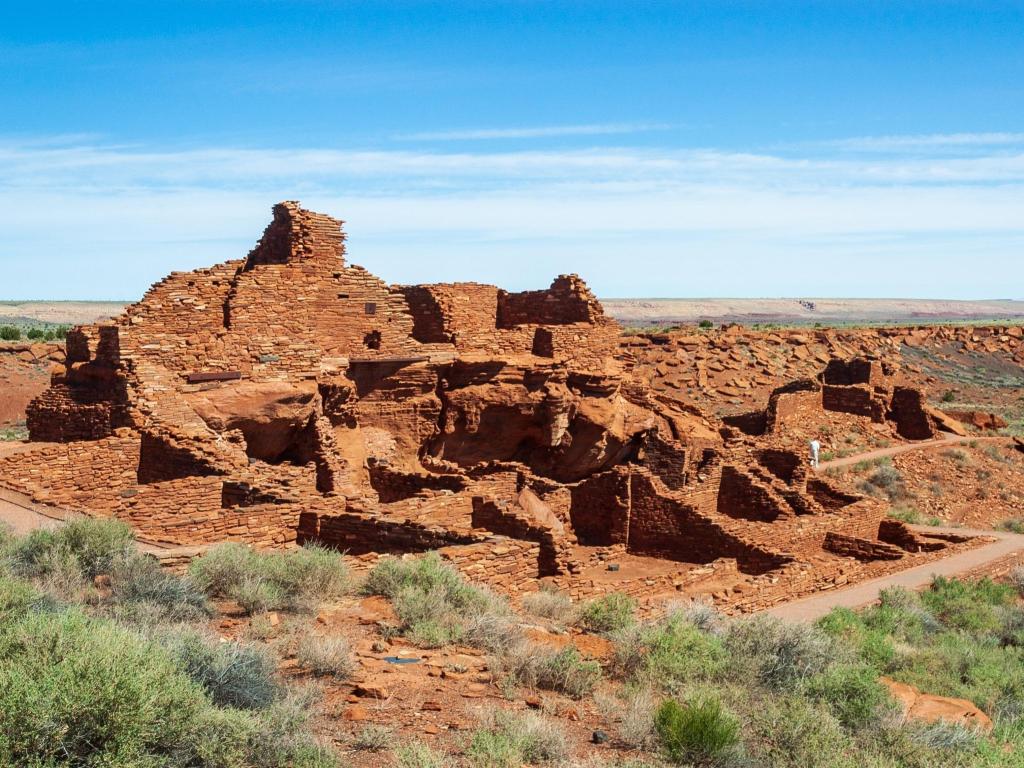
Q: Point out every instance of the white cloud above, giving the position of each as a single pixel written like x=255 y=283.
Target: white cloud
x=927 y=141
x=542 y=132
x=694 y=221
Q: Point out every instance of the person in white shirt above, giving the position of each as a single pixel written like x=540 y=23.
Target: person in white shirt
x=815 y=450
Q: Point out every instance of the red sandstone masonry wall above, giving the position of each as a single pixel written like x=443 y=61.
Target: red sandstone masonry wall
x=568 y=300
x=506 y=565
x=667 y=527
x=601 y=508
x=858 y=399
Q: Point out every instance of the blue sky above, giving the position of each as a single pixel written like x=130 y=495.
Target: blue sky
x=658 y=149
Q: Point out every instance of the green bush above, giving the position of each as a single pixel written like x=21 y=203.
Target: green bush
x=372 y=738
x=550 y=604
x=77 y=691
x=330 y=656
x=419 y=755
x=968 y=605
x=705 y=324
x=792 y=732
x=232 y=674
x=852 y=692
x=9 y=333
x=35 y=334
x=567 y=672
x=95 y=543
x=435 y=604
x=608 y=613
x=1012 y=525
x=668 y=653
x=139 y=579
x=699 y=732
x=779 y=653
x=509 y=739
x=257 y=595
x=16 y=600
x=297 y=579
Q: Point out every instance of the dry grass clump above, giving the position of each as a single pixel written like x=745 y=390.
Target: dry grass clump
x=509 y=739
x=372 y=738
x=549 y=603
x=297 y=579
x=608 y=613
x=438 y=607
x=563 y=671
x=325 y=655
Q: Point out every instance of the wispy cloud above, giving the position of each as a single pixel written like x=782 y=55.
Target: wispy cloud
x=927 y=141
x=689 y=221
x=540 y=132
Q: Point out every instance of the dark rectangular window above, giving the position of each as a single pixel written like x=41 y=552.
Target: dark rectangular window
x=371 y=308
x=342 y=295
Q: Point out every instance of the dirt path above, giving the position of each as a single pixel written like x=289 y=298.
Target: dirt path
x=866 y=593
x=942 y=442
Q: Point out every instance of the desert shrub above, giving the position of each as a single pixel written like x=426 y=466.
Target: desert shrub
x=80 y=691
x=221 y=567
x=419 y=755
x=1012 y=525
x=668 y=653
x=232 y=674
x=886 y=480
x=10 y=333
x=95 y=544
x=509 y=739
x=325 y=655
x=372 y=738
x=793 y=732
x=255 y=595
x=565 y=671
x=296 y=579
x=948 y=396
x=705 y=324
x=700 y=732
x=632 y=710
x=492 y=630
x=138 y=579
x=779 y=653
x=551 y=604
x=956 y=456
x=852 y=693
x=311 y=572
x=967 y=605
x=1016 y=579
x=979 y=669
x=702 y=614
x=435 y=604
x=282 y=739
x=945 y=736
x=16 y=599
x=871 y=644
x=608 y=613
x=905 y=514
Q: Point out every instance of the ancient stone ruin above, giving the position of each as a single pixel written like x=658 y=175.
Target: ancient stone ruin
x=291 y=396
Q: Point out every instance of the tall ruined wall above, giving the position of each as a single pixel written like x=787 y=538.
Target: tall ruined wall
x=568 y=300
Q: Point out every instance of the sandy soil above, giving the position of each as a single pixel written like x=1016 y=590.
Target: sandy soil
x=657 y=311
x=835 y=311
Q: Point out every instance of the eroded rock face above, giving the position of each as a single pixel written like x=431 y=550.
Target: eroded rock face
x=272 y=415
x=512 y=413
